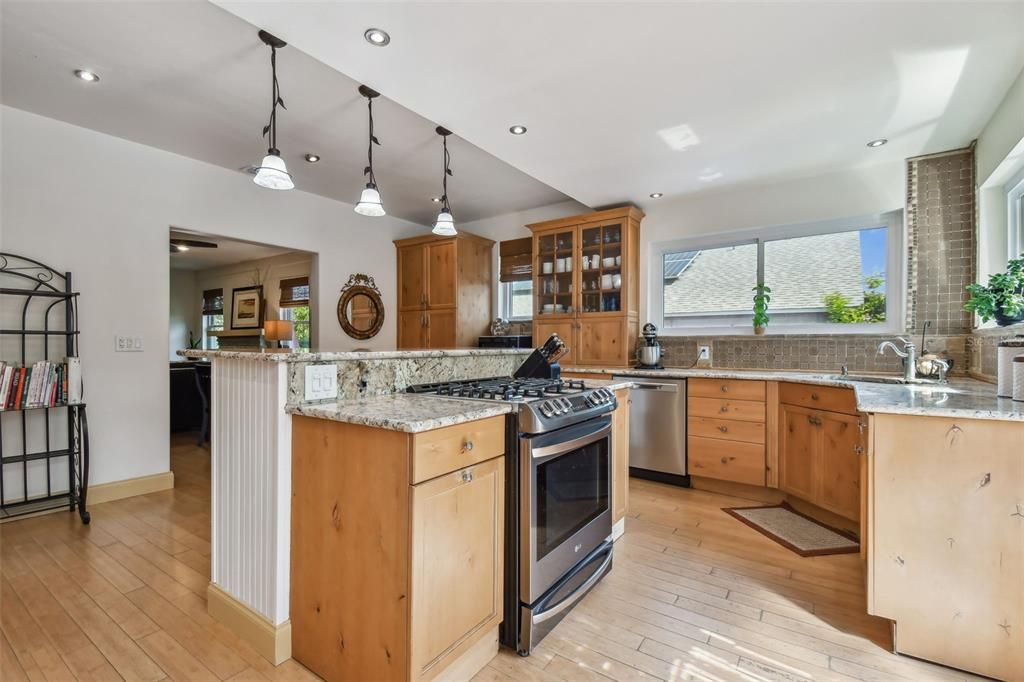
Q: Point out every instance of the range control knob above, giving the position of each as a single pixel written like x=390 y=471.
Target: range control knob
x=546 y=409
x=566 y=405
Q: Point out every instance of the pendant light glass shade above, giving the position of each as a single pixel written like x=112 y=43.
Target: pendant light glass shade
x=272 y=173
x=445 y=225
x=369 y=202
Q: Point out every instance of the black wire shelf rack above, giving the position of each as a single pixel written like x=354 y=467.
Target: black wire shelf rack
x=44 y=449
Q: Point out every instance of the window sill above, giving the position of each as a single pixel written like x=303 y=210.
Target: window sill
x=996 y=330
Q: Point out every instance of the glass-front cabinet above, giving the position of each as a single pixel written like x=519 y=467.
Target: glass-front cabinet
x=586 y=271
x=554 y=268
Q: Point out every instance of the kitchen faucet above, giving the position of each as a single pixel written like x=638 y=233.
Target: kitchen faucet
x=909 y=355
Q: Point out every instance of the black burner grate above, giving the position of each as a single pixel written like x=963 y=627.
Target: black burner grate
x=502 y=388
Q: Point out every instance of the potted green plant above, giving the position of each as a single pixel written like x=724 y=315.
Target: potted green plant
x=1003 y=298
x=762 y=296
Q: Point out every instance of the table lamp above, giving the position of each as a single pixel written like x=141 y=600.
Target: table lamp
x=277 y=330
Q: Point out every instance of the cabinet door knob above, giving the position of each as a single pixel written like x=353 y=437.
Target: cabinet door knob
x=467 y=476
x=725 y=389
x=814 y=396
x=467 y=446
x=723 y=429
x=724 y=408
x=858 y=449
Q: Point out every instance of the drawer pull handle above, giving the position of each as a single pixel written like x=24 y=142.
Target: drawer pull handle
x=723 y=429
x=814 y=396
x=724 y=408
x=467 y=446
x=858 y=450
x=467 y=476
x=814 y=421
x=725 y=389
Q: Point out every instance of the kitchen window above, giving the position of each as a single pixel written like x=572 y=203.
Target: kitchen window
x=294 y=304
x=515 y=277
x=213 y=316
x=1015 y=215
x=841 y=276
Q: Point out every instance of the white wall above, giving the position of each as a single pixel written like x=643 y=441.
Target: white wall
x=101 y=207
x=184 y=311
x=513 y=226
x=268 y=271
x=1000 y=156
x=860 y=191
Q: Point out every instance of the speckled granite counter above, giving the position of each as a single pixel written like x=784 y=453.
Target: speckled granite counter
x=403 y=411
x=413 y=413
x=961 y=397
x=287 y=355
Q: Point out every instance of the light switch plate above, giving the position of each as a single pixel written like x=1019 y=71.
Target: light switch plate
x=321 y=382
x=128 y=344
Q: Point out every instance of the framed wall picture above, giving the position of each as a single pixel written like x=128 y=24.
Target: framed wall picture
x=247 y=308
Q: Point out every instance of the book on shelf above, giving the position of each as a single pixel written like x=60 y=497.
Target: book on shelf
x=44 y=384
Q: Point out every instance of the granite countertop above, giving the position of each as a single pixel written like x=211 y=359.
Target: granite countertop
x=961 y=397
x=407 y=412
x=288 y=355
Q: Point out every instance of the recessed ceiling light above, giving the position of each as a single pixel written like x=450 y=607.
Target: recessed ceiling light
x=877 y=143
x=312 y=158
x=517 y=130
x=87 y=76
x=656 y=195
x=377 y=37
x=436 y=200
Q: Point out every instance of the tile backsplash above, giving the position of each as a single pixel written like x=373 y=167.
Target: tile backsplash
x=816 y=353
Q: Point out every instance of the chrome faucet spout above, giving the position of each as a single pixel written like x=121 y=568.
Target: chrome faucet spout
x=908 y=353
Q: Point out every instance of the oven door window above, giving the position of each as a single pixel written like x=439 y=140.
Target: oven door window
x=572 y=491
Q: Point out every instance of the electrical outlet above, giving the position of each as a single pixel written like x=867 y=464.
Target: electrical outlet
x=703 y=352
x=128 y=344
x=321 y=382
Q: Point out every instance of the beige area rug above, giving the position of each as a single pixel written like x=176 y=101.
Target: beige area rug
x=791 y=529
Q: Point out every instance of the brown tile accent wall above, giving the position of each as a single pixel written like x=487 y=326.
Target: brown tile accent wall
x=940 y=234
x=818 y=353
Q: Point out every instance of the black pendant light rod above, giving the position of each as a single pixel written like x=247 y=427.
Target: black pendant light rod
x=370 y=94
x=275 y=90
x=444 y=133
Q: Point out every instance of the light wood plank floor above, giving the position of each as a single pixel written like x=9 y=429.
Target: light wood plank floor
x=694 y=595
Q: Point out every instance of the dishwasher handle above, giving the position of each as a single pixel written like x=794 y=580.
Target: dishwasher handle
x=666 y=388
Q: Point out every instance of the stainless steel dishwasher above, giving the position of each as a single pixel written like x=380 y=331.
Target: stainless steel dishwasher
x=657 y=430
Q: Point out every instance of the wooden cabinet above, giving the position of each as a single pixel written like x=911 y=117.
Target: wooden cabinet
x=726 y=430
x=946 y=539
x=446 y=282
x=819 y=450
x=397 y=548
x=620 y=456
x=586 y=284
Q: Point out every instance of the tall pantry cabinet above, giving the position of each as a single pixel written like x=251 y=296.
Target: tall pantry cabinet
x=586 y=285
x=444 y=290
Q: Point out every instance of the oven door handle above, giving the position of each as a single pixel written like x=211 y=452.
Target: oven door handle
x=578 y=594
x=561 y=448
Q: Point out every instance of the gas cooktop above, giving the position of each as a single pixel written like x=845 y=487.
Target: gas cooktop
x=544 y=404
x=506 y=389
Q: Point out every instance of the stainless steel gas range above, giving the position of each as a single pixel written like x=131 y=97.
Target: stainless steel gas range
x=558 y=501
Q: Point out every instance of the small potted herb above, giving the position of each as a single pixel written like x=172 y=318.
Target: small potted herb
x=762 y=296
x=1003 y=298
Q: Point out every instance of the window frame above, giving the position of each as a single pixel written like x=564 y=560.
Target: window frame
x=896 y=284
x=505 y=301
x=1015 y=215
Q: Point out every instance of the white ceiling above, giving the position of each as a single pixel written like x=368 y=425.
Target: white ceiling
x=228 y=252
x=766 y=90
x=193 y=79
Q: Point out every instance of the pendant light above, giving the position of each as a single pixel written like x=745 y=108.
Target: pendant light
x=445 y=224
x=369 y=201
x=272 y=173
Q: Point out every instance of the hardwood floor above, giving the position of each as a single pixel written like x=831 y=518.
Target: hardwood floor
x=694 y=594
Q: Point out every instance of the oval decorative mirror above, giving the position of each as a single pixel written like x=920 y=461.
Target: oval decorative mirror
x=360 y=308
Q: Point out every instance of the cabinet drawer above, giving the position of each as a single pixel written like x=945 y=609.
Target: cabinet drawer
x=737 y=389
x=726 y=429
x=726 y=460
x=446 y=449
x=818 y=397
x=743 y=410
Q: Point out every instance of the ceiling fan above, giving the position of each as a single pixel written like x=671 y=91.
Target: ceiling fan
x=181 y=245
